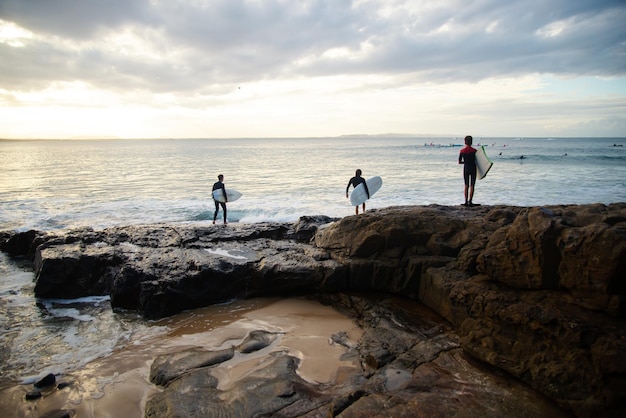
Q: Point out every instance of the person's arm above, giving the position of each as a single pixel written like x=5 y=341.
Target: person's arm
x=225 y=195
x=366 y=189
x=461 y=158
x=348 y=187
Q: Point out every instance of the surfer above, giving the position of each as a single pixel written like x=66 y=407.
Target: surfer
x=355 y=181
x=216 y=186
x=467 y=157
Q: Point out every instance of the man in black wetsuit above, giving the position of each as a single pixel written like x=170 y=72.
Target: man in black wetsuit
x=355 y=181
x=216 y=186
x=467 y=157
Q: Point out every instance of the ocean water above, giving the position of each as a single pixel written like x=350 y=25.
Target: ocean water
x=53 y=185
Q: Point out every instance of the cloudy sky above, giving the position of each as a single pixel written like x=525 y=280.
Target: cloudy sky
x=293 y=68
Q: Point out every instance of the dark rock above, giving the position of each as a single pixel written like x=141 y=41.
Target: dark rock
x=256 y=340
x=58 y=414
x=63 y=385
x=538 y=292
x=161 y=270
x=33 y=395
x=307 y=226
x=17 y=244
x=47 y=380
x=263 y=393
x=167 y=367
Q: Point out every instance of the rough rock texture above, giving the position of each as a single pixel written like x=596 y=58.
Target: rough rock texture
x=410 y=361
x=161 y=270
x=539 y=293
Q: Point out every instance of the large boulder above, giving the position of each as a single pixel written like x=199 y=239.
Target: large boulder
x=539 y=292
x=160 y=270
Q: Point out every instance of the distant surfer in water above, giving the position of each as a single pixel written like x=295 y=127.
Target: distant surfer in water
x=467 y=157
x=355 y=181
x=216 y=186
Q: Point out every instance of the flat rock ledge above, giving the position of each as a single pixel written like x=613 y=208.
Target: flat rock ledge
x=537 y=293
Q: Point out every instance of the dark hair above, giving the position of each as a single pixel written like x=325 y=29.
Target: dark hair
x=468 y=140
x=358 y=172
x=220 y=177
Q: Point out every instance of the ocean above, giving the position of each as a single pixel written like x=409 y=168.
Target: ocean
x=55 y=185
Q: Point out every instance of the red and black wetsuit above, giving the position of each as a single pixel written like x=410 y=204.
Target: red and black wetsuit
x=467 y=157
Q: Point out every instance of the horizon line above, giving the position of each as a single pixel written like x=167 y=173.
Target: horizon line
x=374 y=136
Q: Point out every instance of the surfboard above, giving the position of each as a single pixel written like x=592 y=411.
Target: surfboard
x=483 y=163
x=232 y=195
x=359 y=195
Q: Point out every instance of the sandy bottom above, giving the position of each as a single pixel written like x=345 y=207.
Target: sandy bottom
x=118 y=385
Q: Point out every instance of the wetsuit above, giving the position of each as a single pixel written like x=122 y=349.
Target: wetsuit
x=467 y=157
x=355 y=181
x=219 y=185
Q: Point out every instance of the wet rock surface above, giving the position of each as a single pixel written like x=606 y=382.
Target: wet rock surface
x=410 y=363
x=538 y=294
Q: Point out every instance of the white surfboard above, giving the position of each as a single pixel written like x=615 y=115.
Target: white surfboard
x=483 y=163
x=232 y=194
x=359 y=195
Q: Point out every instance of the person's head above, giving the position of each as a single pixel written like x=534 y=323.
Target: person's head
x=358 y=172
x=220 y=177
x=468 y=140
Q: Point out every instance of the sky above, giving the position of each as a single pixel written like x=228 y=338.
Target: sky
x=311 y=68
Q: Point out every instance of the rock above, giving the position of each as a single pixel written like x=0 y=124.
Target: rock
x=47 y=380
x=530 y=290
x=160 y=270
x=171 y=366
x=33 y=395
x=73 y=270
x=168 y=367
x=17 y=244
x=306 y=226
x=256 y=340
x=342 y=339
x=61 y=413
x=262 y=393
x=537 y=292
x=63 y=385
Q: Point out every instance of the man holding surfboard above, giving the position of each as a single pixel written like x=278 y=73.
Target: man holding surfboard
x=467 y=157
x=217 y=186
x=354 y=182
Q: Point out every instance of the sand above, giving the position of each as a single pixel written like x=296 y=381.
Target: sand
x=118 y=385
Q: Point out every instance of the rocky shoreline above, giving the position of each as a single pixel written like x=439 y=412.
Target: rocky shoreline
x=538 y=293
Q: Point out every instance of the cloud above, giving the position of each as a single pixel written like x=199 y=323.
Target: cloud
x=183 y=44
x=196 y=53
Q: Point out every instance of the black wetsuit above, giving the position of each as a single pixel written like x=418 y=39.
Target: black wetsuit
x=467 y=157
x=355 y=181
x=216 y=186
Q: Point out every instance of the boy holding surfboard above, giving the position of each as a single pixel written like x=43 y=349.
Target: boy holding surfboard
x=216 y=186
x=467 y=157
x=354 y=182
